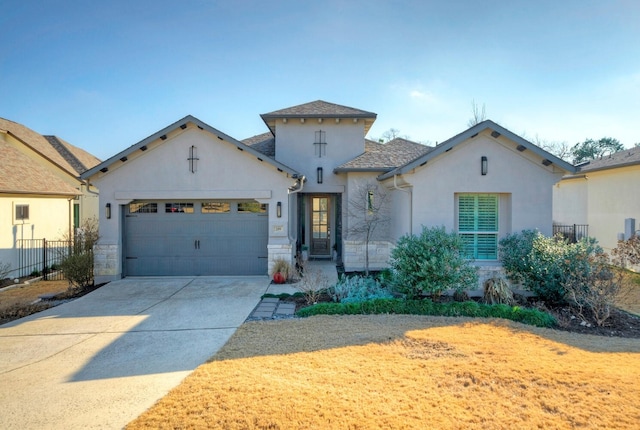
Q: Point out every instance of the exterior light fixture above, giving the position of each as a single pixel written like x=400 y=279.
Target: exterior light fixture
x=483 y=165
x=107 y=211
x=319 y=175
x=279 y=209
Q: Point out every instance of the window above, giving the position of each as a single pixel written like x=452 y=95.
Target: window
x=478 y=225
x=252 y=207
x=174 y=208
x=215 y=207
x=22 y=212
x=143 y=208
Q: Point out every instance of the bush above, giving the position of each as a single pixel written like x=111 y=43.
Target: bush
x=595 y=289
x=280 y=265
x=5 y=268
x=431 y=263
x=353 y=289
x=427 y=307
x=627 y=252
x=543 y=264
x=497 y=290
x=78 y=269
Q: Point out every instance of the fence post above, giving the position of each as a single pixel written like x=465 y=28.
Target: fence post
x=44 y=259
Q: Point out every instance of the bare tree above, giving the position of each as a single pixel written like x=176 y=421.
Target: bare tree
x=370 y=214
x=559 y=149
x=478 y=115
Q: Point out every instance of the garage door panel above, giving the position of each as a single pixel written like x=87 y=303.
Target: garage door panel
x=183 y=244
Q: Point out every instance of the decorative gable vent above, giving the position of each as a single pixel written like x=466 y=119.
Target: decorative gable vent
x=320 y=143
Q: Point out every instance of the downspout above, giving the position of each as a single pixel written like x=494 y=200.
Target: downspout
x=395 y=186
x=295 y=190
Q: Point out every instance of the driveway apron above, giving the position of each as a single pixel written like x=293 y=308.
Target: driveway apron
x=103 y=359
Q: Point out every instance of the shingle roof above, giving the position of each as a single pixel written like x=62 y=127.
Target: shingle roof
x=264 y=143
x=319 y=108
x=21 y=174
x=57 y=151
x=383 y=157
x=627 y=157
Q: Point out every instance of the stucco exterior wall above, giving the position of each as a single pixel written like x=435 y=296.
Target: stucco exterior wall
x=162 y=173
x=295 y=148
x=354 y=206
x=570 y=201
x=612 y=197
x=520 y=176
x=49 y=218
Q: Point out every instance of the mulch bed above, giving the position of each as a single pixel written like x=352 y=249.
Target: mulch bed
x=619 y=324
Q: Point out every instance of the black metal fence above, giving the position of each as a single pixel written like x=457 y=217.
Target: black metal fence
x=573 y=232
x=42 y=257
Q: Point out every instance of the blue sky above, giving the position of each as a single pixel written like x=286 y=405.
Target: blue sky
x=105 y=75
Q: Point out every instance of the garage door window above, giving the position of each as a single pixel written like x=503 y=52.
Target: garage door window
x=178 y=208
x=215 y=208
x=252 y=207
x=143 y=208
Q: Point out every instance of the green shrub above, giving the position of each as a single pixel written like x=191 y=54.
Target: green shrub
x=350 y=289
x=431 y=263
x=428 y=307
x=78 y=269
x=543 y=264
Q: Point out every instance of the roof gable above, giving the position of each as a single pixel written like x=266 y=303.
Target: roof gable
x=182 y=124
x=496 y=131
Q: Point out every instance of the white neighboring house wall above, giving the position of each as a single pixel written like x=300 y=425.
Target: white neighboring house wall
x=162 y=172
x=49 y=218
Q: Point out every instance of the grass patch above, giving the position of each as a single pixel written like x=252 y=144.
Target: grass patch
x=529 y=316
x=404 y=371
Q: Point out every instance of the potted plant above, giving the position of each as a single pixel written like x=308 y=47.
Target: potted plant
x=305 y=252
x=280 y=271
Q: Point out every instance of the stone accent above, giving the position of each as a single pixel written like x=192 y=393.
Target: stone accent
x=354 y=255
x=105 y=263
x=284 y=251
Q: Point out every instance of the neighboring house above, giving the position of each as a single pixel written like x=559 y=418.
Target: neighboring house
x=41 y=194
x=191 y=200
x=602 y=194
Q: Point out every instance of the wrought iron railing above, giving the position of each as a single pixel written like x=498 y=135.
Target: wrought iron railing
x=42 y=257
x=572 y=232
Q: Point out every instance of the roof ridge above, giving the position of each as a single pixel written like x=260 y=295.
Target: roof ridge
x=77 y=165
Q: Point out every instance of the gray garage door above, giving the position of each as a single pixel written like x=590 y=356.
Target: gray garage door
x=175 y=238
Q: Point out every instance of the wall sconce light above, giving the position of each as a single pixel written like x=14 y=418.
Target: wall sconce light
x=279 y=209
x=483 y=165
x=319 y=175
x=107 y=211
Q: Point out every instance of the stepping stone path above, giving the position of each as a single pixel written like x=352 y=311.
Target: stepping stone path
x=272 y=308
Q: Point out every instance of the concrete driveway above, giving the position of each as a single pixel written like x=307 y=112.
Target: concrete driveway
x=103 y=359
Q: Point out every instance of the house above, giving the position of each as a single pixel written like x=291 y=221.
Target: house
x=191 y=200
x=41 y=194
x=602 y=194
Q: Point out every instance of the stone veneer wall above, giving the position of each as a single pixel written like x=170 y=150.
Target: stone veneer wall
x=283 y=251
x=354 y=256
x=105 y=263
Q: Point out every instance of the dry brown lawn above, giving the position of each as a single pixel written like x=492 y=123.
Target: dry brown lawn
x=400 y=372
x=26 y=294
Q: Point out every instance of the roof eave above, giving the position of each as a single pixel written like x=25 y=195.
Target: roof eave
x=189 y=118
x=470 y=133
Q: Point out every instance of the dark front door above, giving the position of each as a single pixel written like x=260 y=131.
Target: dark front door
x=320 y=226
